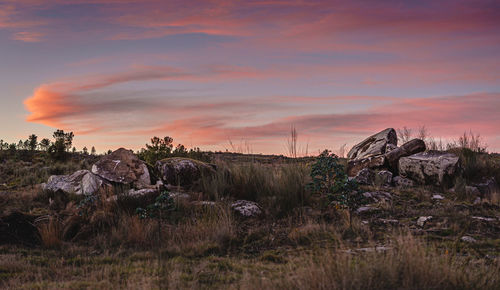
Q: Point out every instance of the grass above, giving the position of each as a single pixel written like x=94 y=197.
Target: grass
x=300 y=242
x=281 y=187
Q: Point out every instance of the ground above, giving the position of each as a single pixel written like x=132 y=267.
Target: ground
x=305 y=244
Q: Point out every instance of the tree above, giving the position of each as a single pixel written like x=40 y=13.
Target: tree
x=73 y=150
x=92 y=151
x=65 y=139
x=85 y=150
x=158 y=149
x=1 y=145
x=32 y=142
x=63 y=143
x=44 y=144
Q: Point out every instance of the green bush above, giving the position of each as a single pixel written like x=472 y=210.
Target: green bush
x=329 y=179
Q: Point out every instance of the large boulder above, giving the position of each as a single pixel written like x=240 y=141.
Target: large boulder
x=80 y=182
x=183 y=171
x=374 y=145
x=373 y=162
x=431 y=168
x=123 y=167
x=409 y=148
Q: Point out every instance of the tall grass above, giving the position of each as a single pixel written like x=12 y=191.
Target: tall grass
x=279 y=187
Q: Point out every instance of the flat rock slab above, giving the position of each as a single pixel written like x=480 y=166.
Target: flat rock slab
x=80 y=182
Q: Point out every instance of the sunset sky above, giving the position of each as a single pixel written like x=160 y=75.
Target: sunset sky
x=117 y=72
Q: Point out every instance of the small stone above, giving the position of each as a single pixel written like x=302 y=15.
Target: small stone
x=378 y=196
x=468 y=239
x=437 y=197
x=422 y=220
x=246 y=208
x=366 y=209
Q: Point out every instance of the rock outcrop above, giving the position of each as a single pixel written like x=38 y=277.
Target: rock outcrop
x=355 y=166
x=374 y=145
x=183 y=171
x=431 y=168
x=80 y=182
x=402 y=182
x=383 y=178
x=371 y=152
x=123 y=167
x=365 y=177
x=409 y=148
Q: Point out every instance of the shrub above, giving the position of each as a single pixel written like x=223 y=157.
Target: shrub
x=329 y=179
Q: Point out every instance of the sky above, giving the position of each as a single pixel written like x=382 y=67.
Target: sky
x=215 y=73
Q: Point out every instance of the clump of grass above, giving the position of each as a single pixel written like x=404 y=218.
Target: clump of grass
x=279 y=187
x=51 y=233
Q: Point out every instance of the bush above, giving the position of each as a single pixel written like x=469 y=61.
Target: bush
x=329 y=179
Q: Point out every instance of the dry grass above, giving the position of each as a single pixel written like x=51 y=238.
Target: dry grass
x=50 y=233
x=406 y=264
x=281 y=187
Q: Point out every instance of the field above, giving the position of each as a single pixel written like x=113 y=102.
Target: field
x=300 y=241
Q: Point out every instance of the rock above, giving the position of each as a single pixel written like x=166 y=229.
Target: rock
x=19 y=229
x=180 y=196
x=390 y=147
x=374 y=145
x=431 y=168
x=142 y=192
x=383 y=178
x=365 y=177
x=123 y=167
x=80 y=182
x=437 y=197
x=409 y=148
x=377 y=196
x=422 y=220
x=468 y=239
x=205 y=203
x=246 y=208
x=367 y=209
x=183 y=171
x=402 y=182
x=472 y=191
x=485 y=219
x=487 y=187
x=354 y=166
